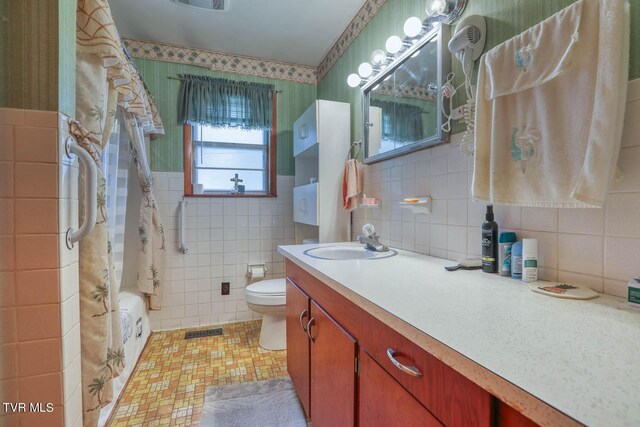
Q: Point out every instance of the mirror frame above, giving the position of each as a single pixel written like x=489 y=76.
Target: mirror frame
x=442 y=32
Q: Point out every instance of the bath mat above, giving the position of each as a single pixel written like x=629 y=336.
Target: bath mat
x=271 y=403
x=203 y=333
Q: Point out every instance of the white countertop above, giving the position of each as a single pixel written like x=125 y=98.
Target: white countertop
x=580 y=357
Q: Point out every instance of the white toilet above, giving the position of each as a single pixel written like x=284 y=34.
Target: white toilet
x=268 y=297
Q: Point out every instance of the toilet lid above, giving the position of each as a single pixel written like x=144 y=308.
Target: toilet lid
x=268 y=287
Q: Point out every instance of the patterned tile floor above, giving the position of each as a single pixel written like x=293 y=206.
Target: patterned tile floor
x=168 y=386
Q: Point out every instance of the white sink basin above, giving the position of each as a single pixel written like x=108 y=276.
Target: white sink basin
x=347 y=252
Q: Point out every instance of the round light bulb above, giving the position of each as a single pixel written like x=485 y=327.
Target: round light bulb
x=436 y=7
x=378 y=57
x=365 y=70
x=412 y=26
x=354 y=80
x=393 y=44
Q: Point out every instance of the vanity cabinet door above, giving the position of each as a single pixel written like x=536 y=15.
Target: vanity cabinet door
x=299 y=207
x=298 y=350
x=506 y=416
x=333 y=371
x=305 y=204
x=383 y=402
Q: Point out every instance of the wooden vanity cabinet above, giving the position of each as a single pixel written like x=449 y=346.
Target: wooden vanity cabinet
x=323 y=355
x=383 y=402
x=321 y=360
x=454 y=399
x=333 y=371
x=505 y=415
x=298 y=344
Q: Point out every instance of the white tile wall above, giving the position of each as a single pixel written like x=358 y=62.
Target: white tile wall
x=599 y=248
x=69 y=282
x=223 y=235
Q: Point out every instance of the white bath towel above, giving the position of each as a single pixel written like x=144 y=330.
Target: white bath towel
x=550 y=107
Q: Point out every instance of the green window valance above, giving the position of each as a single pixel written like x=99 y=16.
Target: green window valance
x=223 y=102
x=400 y=122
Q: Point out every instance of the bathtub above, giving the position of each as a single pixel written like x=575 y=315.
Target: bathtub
x=135 y=332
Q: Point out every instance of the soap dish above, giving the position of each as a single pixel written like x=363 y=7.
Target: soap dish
x=421 y=205
x=369 y=202
x=562 y=290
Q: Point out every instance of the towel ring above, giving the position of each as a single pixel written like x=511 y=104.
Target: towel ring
x=355 y=144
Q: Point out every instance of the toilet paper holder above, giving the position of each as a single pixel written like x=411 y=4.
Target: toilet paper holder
x=256 y=271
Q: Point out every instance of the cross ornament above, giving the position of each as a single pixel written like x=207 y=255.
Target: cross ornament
x=235 y=181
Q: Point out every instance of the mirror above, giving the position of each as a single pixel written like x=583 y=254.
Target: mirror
x=402 y=106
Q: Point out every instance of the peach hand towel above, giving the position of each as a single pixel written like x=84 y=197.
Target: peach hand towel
x=351 y=184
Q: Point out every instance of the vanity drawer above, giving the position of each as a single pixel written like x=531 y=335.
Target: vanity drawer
x=383 y=402
x=451 y=397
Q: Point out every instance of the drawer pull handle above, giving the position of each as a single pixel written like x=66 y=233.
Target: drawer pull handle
x=309 y=323
x=411 y=370
x=303 y=314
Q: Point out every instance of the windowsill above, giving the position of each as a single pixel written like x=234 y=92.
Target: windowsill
x=229 y=195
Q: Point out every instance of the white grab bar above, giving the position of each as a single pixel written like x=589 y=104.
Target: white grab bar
x=90 y=192
x=182 y=247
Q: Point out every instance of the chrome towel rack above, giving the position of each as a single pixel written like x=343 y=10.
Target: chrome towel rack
x=90 y=192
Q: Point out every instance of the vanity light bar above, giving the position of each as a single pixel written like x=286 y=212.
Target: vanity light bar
x=438 y=11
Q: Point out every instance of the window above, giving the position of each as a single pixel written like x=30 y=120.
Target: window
x=229 y=136
x=217 y=156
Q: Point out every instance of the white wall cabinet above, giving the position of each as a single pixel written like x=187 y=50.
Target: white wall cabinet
x=305 y=130
x=321 y=139
x=305 y=204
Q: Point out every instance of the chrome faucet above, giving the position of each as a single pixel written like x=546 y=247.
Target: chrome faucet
x=370 y=240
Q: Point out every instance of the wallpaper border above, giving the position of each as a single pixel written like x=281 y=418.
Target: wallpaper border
x=224 y=62
x=368 y=10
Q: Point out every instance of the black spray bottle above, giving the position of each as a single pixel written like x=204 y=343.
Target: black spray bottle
x=489 y=243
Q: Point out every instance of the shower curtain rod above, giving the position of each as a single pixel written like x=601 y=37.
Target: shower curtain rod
x=178 y=78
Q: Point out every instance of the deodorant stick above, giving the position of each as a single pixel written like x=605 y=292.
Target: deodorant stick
x=529 y=260
x=506 y=240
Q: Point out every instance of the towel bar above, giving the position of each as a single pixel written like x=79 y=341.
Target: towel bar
x=182 y=247
x=90 y=192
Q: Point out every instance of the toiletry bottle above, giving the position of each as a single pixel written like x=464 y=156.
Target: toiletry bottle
x=529 y=260
x=633 y=297
x=507 y=239
x=516 y=260
x=489 y=243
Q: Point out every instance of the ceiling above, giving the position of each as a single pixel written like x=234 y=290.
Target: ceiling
x=294 y=31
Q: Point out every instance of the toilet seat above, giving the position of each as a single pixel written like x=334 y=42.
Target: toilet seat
x=267 y=292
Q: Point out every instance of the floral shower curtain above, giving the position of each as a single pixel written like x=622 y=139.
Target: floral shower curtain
x=101 y=337
x=105 y=79
x=152 y=244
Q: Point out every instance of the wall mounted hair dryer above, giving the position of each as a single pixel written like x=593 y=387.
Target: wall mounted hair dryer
x=467 y=45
